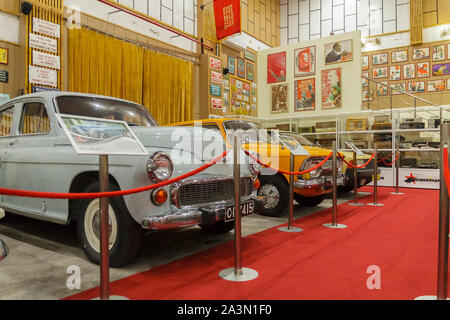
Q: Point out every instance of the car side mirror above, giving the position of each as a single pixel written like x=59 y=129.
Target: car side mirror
x=3 y=250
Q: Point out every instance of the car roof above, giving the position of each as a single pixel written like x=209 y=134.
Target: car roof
x=213 y=120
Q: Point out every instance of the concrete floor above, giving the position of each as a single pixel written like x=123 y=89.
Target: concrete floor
x=41 y=252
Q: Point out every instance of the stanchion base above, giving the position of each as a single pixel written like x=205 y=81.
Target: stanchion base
x=428 y=298
x=375 y=204
x=335 y=226
x=292 y=229
x=247 y=275
x=113 y=298
x=356 y=204
x=398 y=193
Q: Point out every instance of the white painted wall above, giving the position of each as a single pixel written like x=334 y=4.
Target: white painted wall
x=9 y=27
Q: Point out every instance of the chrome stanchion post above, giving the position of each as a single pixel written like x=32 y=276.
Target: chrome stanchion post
x=355 y=183
x=104 y=229
x=334 y=223
x=397 y=172
x=375 y=181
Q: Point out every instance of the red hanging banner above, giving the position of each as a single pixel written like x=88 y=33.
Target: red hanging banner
x=228 y=17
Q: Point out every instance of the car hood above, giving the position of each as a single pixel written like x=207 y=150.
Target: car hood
x=268 y=149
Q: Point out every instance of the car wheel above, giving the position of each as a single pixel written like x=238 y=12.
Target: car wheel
x=308 y=201
x=218 y=227
x=276 y=191
x=124 y=233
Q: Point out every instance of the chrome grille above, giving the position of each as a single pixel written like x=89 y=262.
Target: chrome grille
x=195 y=192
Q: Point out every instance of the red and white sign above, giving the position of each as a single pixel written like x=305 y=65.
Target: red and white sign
x=42 y=76
x=216 y=77
x=43 y=43
x=216 y=103
x=47 y=28
x=228 y=17
x=46 y=60
x=215 y=63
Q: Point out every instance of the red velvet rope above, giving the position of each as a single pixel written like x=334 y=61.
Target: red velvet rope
x=289 y=172
x=55 y=195
x=446 y=169
x=357 y=167
x=390 y=164
x=381 y=160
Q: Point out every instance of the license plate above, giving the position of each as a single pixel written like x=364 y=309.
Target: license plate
x=247 y=208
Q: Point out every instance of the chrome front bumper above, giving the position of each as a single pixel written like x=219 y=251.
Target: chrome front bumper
x=323 y=183
x=206 y=215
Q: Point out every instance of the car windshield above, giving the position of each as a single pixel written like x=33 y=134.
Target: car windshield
x=103 y=108
x=251 y=132
x=288 y=136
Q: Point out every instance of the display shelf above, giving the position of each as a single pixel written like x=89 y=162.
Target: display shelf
x=418 y=130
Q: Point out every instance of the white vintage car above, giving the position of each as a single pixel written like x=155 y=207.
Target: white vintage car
x=35 y=154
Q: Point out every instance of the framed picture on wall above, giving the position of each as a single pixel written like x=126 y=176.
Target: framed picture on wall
x=367 y=95
x=379 y=73
x=442 y=69
x=416 y=87
x=305 y=94
x=409 y=71
x=279 y=98
x=382 y=90
x=250 y=55
x=438 y=52
x=231 y=65
x=436 y=85
x=399 y=56
x=331 y=88
x=4 y=56
x=423 y=69
x=364 y=80
x=421 y=53
x=250 y=71
x=398 y=86
x=395 y=73
x=305 y=61
x=276 y=67
x=241 y=68
x=378 y=59
x=365 y=62
x=341 y=51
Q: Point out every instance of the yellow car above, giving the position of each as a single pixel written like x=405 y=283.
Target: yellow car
x=309 y=189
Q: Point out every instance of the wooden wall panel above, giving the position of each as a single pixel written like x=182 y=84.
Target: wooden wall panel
x=10 y=6
x=435 y=12
x=15 y=68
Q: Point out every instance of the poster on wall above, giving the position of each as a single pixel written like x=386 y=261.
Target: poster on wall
x=305 y=94
x=448 y=51
x=276 y=67
x=250 y=55
x=231 y=65
x=419 y=178
x=305 y=61
x=250 y=71
x=341 y=51
x=241 y=67
x=364 y=79
x=448 y=84
x=395 y=73
x=43 y=76
x=409 y=71
x=46 y=27
x=421 y=53
x=215 y=63
x=442 y=69
x=43 y=43
x=398 y=86
x=382 y=90
x=438 y=52
x=399 y=56
x=46 y=60
x=423 y=69
x=216 y=103
x=379 y=73
x=216 y=77
x=436 y=85
x=378 y=59
x=279 y=98
x=416 y=87
x=4 y=56
x=367 y=95
x=331 y=88
x=365 y=62
x=4 y=76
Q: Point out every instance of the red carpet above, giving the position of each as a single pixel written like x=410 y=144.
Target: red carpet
x=318 y=263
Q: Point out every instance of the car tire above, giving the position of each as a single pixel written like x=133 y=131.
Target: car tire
x=276 y=190
x=218 y=227
x=125 y=232
x=308 y=201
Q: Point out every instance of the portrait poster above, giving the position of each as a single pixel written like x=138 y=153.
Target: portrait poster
x=409 y=71
x=423 y=69
x=305 y=94
x=438 y=52
x=421 y=53
x=341 y=51
x=4 y=56
x=241 y=68
x=305 y=61
x=231 y=65
x=442 y=69
x=365 y=62
x=436 y=85
x=379 y=73
x=279 y=98
x=276 y=67
x=399 y=56
x=416 y=87
x=398 y=86
x=395 y=73
x=250 y=71
x=331 y=88
x=382 y=90
x=364 y=79
x=378 y=59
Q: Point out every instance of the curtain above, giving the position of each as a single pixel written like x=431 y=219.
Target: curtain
x=101 y=64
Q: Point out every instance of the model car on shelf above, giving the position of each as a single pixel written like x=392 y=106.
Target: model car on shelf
x=309 y=189
x=37 y=155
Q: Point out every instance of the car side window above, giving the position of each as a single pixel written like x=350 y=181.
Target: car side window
x=210 y=127
x=6 y=117
x=34 y=119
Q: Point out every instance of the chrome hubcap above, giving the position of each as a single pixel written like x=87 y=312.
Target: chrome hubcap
x=272 y=195
x=92 y=225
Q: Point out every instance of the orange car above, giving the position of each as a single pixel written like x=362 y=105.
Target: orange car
x=309 y=189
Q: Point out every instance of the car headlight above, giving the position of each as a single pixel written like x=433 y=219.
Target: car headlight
x=310 y=163
x=253 y=165
x=159 y=167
